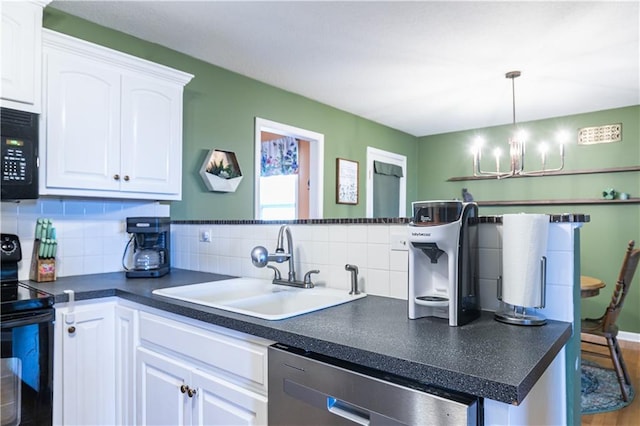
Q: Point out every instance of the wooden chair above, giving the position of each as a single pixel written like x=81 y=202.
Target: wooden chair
x=605 y=328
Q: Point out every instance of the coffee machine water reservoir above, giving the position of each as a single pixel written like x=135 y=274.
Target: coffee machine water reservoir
x=443 y=268
x=150 y=239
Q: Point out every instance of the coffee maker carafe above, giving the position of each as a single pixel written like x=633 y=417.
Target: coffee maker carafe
x=150 y=239
x=443 y=261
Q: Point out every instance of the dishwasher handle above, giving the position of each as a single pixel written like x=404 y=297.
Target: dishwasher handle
x=348 y=411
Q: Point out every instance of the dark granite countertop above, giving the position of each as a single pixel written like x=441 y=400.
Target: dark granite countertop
x=485 y=358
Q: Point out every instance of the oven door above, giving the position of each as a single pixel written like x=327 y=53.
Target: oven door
x=27 y=368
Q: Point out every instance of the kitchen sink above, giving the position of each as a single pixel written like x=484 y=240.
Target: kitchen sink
x=259 y=297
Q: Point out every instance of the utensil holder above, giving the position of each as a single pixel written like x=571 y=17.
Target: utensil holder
x=42 y=270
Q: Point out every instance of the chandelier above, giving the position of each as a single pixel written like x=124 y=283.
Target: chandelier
x=517 y=149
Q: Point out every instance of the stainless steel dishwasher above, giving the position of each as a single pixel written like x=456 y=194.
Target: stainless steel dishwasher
x=306 y=388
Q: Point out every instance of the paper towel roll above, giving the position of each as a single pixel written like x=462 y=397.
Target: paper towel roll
x=524 y=242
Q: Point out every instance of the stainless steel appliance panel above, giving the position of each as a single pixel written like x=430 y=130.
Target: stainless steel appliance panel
x=304 y=389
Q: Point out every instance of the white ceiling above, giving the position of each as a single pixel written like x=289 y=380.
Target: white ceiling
x=423 y=67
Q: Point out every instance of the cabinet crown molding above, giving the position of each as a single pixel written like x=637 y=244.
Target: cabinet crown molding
x=56 y=40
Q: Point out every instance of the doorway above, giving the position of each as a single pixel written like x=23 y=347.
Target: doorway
x=386 y=183
x=293 y=189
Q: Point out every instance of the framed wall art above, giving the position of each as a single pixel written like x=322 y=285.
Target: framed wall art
x=346 y=181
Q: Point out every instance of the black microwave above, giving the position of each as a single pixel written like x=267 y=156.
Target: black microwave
x=19 y=138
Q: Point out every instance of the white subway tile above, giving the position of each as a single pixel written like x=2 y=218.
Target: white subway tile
x=378 y=234
x=377 y=282
x=398 y=285
x=320 y=233
x=357 y=254
x=338 y=233
x=488 y=236
x=378 y=256
x=52 y=208
x=357 y=233
x=92 y=264
x=399 y=261
x=338 y=277
x=337 y=253
x=489 y=263
x=487 y=292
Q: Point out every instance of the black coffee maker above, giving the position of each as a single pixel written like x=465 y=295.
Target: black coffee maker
x=150 y=239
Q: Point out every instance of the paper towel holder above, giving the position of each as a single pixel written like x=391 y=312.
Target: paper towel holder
x=518 y=315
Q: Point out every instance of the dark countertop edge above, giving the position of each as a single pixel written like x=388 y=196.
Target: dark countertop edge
x=510 y=393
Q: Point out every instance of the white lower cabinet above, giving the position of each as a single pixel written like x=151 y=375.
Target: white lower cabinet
x=84 y=365
x=172 y=392
x=188 y=375
x=126 y=340
x=119 y=363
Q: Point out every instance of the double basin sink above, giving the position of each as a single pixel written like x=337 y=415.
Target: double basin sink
x=259 y=298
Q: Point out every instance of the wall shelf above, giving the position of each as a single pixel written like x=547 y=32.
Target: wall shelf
x=560 y=173
x=575 y=202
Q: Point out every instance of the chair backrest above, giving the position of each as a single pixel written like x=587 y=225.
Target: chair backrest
x=628 y=269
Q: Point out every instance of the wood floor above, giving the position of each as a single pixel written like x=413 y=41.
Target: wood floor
x=629 y=415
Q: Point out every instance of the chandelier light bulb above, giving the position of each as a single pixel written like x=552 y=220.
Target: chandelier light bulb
x=543 y=148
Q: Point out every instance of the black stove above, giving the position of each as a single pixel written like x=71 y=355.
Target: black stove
x=17 y=296
x=26 y=362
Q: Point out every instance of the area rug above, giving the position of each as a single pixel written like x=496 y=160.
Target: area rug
x=600 y=391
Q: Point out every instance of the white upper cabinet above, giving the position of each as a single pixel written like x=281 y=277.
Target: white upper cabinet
x=21 y=54
x=151 y=113
x=112 y=124
x=82 y=123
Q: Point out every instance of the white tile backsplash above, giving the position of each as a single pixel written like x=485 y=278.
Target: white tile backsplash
x=317 y=246
x=92 y=237
x=91 y=233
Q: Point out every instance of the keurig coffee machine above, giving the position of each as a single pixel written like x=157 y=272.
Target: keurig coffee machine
x=150 y=239
x=443 y=276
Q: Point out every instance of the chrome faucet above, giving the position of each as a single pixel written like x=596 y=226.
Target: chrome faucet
x=260 y=258
x=284 y=229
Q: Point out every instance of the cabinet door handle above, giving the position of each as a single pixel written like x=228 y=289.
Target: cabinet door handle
x=191 y=393
x=184 y=389
x=71 y=329
x=116 y=177
x=126 y=178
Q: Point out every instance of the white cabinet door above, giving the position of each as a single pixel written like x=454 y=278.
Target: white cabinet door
x=222 y=403
x=126 y=340
x=21 y=50
x=160 y=382
x=151 y=136
x=86 y=339
x=82 y=124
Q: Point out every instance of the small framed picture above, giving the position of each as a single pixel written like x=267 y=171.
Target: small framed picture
x=346 y=181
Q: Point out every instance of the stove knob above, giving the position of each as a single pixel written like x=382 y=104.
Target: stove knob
x=8 y=246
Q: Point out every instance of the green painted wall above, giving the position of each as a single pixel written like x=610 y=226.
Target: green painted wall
x=219 y=112
x=604 y=239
